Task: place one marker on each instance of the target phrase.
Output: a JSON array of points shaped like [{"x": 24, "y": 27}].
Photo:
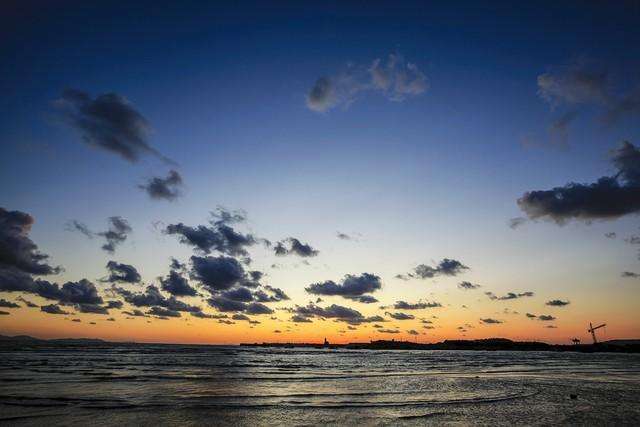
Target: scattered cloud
[
  {"x": 608, "y": 198},
  {"x": 293, "y": 246},
  {"x": 403, "y": 305},
  {"x": 446, "y": 267},
  {"x": 122, "y": 273},
  {"x": 168, "y": 188},
  {"x": 352, "y": 287},
  {"x": 394, "y": 78},
  {"x": 468, "y": 285},
  {"x": 8, "y": 304},
  {"x": 400, "y": 316},
  {"x": 557, "y": 303},
  {"x": 509, "y": 295},
  {"x": 490, "y": 321},
  {"x": 52, "y": 309},
  {"x": 109, "y": 122}
]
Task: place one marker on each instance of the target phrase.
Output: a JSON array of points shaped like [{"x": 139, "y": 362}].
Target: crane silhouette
[{"x": 592, "y": 330}]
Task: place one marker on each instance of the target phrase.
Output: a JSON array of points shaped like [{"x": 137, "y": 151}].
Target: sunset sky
[{"x": 206, "y": 174}]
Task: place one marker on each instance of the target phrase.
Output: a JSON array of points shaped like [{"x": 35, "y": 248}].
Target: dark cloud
[
  {"x": 202, "y": 315},
  {"x": 257, "y": 308},
  {"x": 364, "y": 299},
  {"x": 351, "y": 287},
  {"x": 163, "y": 312},
  {"x": 217, "y": 237},
  {"x": 343, "y": 236},
  {"x": 446, "y": 267},
  {"x": 490, "y": 321},
  {"x": 164, "y": 188},
  {"x": 557, "y": 303},
  {"x": 17, "y": 250},
  {"x": 117, "y": 233},
  {"x": 611, "y": 235},
  {"x": 92, "y": 308},
  {"x": 114, "y": 304},
  {"x": 293, "y": 246},
  {"x": 217, "y": 273},
  {"x": 400, "y": 316},
  {"x": 122, "y": 273},
  {"x": 630, "y": 274},
  {"x": 135, "y": 313},
  {"x": 8, "y": 304},
  {"x": 238, "y": 294},
  {"x": 226, "y": 305},
  {"x": 27, "y": 302},
  {"x": 4, "y": 313},
  {"x": 402, "y": 305},
  {"x": 108, "y": 122},
  {"x": 80, "y": 292},
  {"x": 240, "y": 317},
  {"x": 271, "y": 295},
  {"x": 297, "y": 318},
  {"x": 509, "y": 295},
  {"x": 176, "y": 284},
  {"x": 388, "y": 331},
  {"x": 413, "y": 332},
  {"x": 75, "y": 225},
  {"x": 53, "y": 309},
  {"x": 608, "y": 198},
  {"x": 468, "y": 285},
  {"x": 153, "y": 297},
  {"x": 546, "y": 318}
]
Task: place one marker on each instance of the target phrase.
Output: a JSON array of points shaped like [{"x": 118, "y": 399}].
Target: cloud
[
  {"x": 557, "y": 303},
  {"x": 297, "y": 318},
  {"x": 610, "y": 235},
  {"x": 630, "y": 274},
  {"x": 177, "y": 285},
  {"x": 509, "y": 295},
  {"x": 468, "y": 285},
  {"x": 122, "y": 273},
  {"x": 75, "y": 225},
  {"x": 402, "y": 305},
  {"x": 334, "y": 311},
  {"x": 573, "y": 85},
  {"x": 343, "y": 236},
  {"x": 531, "y": 315},
  {"x": 114, "y": 304},
  {"x": 516, "y": 222},
  {"x": 203, "y": 315},
  {"x": 388, "y": 331},
  {"x": 164, "y": 188},
  {"x": 216, "y": 273},
  {"x": 364, "y": 299},
  {"x": 400, "y": 316},
  {"x": 240, "y": 317},
  {"x": 608, "y": 198},
  {"x": 352, "y": 287},
  {"x": 135, "y": 313},
  {"x": 4, "y": 313},
  {"x": 52, "y": 309},
  {"x": 559, "y": 128},
  {"x": 92, "y": 308},
  {"x": 163, "y": 312},
  {"x": 116, "y": 234},
  {"x": 627, "y": 105},
  {"x": 293, "y": 246},
  {"x": 546, "y": 318},
  {"x": 413, "y": 332},
  {"x": 153, "y": 297},
  {"x": 27, "y": 302},
  {"x": 108, "y": 122},
  {"x": 446, "y": 267},
  {"x": 395, "y": 79},
  {"x": 217, "y": 237},
  {"x": 17, "y": 250},
  {"x": 8, "y": 304},
  {"x": 489, "y": 321}
]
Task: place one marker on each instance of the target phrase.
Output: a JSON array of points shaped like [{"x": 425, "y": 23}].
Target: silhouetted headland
[{"x": 503, "y": 344}]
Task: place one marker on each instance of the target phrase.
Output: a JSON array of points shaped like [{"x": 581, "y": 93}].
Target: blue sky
[{"x": 224, "y": 89}]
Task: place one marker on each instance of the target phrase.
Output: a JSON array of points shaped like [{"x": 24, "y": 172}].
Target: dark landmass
[
  {"x": 24, "y": 342},
  {"x": 495, "y": 344}
]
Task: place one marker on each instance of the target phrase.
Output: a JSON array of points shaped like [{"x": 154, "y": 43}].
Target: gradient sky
[{"x": 505, "y": 101}]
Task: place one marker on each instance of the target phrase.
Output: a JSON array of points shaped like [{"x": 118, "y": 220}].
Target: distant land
[{"x": 25, "y": 342}]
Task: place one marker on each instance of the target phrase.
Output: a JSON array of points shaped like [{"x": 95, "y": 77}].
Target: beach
[{"x": 217, "y": 385}]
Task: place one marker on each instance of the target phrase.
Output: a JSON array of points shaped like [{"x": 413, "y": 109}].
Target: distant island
[{"x": 24, "y": 342}]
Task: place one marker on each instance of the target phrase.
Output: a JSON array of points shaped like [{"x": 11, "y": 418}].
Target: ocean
[{"x": 211, "y": 385}]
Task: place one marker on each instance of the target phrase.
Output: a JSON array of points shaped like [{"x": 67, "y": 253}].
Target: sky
[{"x": 208, "y": 173}]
